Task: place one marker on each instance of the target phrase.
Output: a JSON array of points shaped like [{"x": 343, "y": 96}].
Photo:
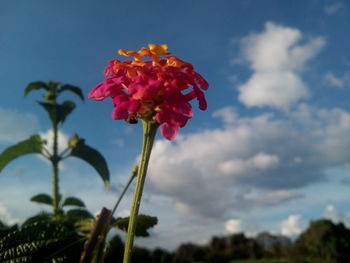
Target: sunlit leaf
[
  {"x": 92, "y": 157},
  {"x": 143, "y": 224},
  {"x": 77, "y": 91},
  {"x": 32, "y": 145},
  {"x": 47, "y": 241},
  {"x": 35, "y": 86},
  {"x": 42, "y": 199},
  {"x": 58, "y": 112},
  {"x": 73, "y": 201}
]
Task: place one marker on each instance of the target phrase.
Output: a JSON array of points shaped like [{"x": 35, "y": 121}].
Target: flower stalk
[{"x": 149, "y": 133}]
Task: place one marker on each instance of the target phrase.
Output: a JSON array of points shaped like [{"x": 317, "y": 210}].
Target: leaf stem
[
  {"x": 131, "y": 178},
  {"x": 149, "y": 133}
]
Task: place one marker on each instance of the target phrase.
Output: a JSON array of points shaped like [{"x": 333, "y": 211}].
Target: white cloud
[
  {"x": 227, "y": 114},
  {"x": 276, "y": 57},
  {"x": 250, "y": 162},
  {"x": 333, "y": 8},
  {"x": 292, "y": 226},
  {"x": 16, "y": 126},
  {"x": 255, "y": 164},
  {"x": 234, "y": 226},
  {"x": 5, "y": 216},
  {"x": 276, "y": 89},
  {"x": 62, "y": 140},
  {"x": 338, "y": 81},
  {"x": 336, "y": 216}
]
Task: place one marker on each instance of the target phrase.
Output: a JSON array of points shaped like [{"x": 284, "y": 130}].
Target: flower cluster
[{"x": 152, "y": 90}]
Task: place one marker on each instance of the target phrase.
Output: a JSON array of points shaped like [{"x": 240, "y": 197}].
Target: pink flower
[{"x": 153, "y": 90}]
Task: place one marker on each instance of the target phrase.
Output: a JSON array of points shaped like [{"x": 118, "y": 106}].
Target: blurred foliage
[{"x": 322, "y": 242}]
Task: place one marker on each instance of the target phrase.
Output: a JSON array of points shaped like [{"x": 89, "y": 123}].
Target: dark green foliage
[
  {"x": 35, "y": 86},
  {"x": 115, "y": 250},
  {"x": 161, "y": 256},
  {"x": 243, "y": 247},
  {"x": 41, "y": 242},
  {"x": 187, "y": 253},
  {"x": 75, "y": 90},
  {"x": 322, "y": 242},
  {"x": 42, "y": 199},
  {"x": 58, "y": 112},
  {"x": 91, "y": 156},
  {"x": 40, "y": 217},
  {"x": 78, "y": 214},
  {"x": 32, "y": 145},
  {"x": 5, "y": 229},
  {"x": 143, "y": 224},
  {"x": 141, "y": 255},
  {"x": 73, "y": 201}
]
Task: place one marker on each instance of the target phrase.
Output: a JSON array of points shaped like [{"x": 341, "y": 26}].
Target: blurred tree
[
  {"x": 273, "y": 246},
  {"x": 322, "y": 242},
  {"x": 242, "y": 247}
]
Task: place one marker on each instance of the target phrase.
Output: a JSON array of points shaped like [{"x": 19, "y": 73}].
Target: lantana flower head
[{"x": 152, "y": 89}]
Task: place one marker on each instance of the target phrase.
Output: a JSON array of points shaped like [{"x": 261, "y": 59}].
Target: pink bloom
[{"x": 153, "y": 90}]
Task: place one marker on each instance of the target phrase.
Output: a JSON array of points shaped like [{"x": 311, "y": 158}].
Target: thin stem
[
  {"x": 47, "y": 153},
  {"x": 131, "y": 178},
  {"x": 64, "y": 152},
  {"x": 149, "y": 133}
]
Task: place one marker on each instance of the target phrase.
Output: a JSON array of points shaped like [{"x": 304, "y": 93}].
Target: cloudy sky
[{"x": 272, "y": 152}]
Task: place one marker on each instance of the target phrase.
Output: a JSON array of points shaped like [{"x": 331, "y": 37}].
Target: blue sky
[{"x": 270, "y": 153}]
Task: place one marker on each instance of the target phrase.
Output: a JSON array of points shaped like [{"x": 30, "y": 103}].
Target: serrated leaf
[
  {"x": 73, "y": 201},
  {"x": 143, "y": 224},
  {"x": 32, "y": 145},
  {"x": 35, "y": 86},
  {"x": 92, "y": 157},
  {"x": 58, "y": 112},
  {"x": 42, "y": 199},
  {"x": 77, "y": 91},
  {"x": 40, "y": 217},
  {"x": 47, "y": 241}
]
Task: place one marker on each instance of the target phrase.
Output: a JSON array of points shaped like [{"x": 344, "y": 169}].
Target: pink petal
[
  {"x": 134, "y": 106},
  {"x": 120, "y": 112},
  {"x": 169, "y": 131}
]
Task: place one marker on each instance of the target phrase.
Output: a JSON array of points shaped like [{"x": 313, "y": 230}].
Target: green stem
[
  {"x": 55, "y": 160},
  {"x": 131, "y": 178},
  {"x": 149, "y": 133}
]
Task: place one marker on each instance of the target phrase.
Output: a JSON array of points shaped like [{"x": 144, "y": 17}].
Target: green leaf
[
  {"x": 58, "y": 112},
  {"x": 73, "y": 201},
  {"x": 75, "y": 215},
  {"x": 77, "y": 91},
  {"x": 32, "y": 145},
  {"x": 40, "y": 217},
  {"x": 92, "y": 157},
  {"x": 143, "y": 224},
  {"x": 35, "y": 86},
  {"x": 47, "y": 241},
  {"x": 42, "y": 199}
]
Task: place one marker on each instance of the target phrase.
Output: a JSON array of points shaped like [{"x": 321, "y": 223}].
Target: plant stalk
[
  {"x": 131, "y": 178},
  {"x": 55, "y": 183},
  {"x": 149, "y": 133}
]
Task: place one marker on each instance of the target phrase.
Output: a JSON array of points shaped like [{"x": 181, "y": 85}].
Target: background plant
[{"x": 58, "y": 113}]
